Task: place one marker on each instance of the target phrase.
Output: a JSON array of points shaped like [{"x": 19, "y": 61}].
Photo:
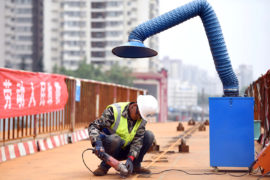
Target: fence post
[
  {"x": 35, "y": 126},
  {"x": 128, "y": 93},
  {"x": 114, "y": 94},
  {"x": 72, "y": 105},
  {"x": 4, "y": 130},
  {"x": 97, "y": 99}
]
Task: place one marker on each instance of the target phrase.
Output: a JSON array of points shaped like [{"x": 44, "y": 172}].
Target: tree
[
  {"x": 88, "y": 71},
  {"x": 116, "y": 74},
  {"x": 119, "y": 75}
]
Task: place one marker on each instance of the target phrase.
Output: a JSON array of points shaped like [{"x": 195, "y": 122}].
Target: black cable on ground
[
  {"x": 89, "y": 149},
  {"x": 192, "y": 174},
  {"x": 197, "y": 174}
]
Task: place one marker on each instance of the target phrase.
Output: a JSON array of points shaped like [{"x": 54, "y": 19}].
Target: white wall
[
  {"x": 47, "y": 36},
  {"x": 2, "y": 33}
]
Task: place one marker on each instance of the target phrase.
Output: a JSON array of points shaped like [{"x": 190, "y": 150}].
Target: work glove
[
  {"x": 99, "y": 149},
  {"x": 129, "y": 164}
]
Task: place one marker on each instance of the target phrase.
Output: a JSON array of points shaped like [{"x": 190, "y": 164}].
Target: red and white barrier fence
[
  {"x": 52, "y": 142},
  {"x": 79, "y": 135},
  {"x": 16, "y": 150},
  {"x": 30, "y": 147}
]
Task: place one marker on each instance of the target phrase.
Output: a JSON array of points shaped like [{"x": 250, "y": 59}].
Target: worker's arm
[
  {"x": 105, "y": 121},
  {"x": 137, "y": 142}
]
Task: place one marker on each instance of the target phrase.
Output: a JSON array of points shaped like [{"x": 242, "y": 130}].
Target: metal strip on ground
[{"x": 169, "y": 148}]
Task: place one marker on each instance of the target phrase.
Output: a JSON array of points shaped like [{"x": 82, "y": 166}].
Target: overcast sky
[{"x": 246, "y": 30}]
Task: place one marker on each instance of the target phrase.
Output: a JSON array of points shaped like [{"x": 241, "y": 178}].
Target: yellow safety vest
[{"x": 120, "y": 125}]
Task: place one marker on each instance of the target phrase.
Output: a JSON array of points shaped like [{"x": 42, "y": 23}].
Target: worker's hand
[
  {"x": 99, "y": 149},
  {"x": 129, "y": 164}
]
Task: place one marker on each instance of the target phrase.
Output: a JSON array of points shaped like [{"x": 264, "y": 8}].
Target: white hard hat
[{"x": 148, "y": 106}]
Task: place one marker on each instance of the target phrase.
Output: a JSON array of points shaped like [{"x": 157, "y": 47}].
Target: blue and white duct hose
[{"x": 213, "y": 31}]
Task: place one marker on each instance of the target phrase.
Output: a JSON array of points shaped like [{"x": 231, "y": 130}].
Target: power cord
[
  {"x": 193, "y": 174},
  {"x": 89, "y": 149},
  {"x": 199, "y": 174},
  {"x": 180, "y": 170}
]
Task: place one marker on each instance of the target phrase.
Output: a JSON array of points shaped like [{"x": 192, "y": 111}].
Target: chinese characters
[{"x": 24, "y": 92}]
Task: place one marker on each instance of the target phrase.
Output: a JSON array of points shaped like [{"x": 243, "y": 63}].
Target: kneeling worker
[{"x": 120, "y": 132}]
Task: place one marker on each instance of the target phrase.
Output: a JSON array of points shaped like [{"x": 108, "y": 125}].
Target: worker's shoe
[
  {"x": 100, "y": 171},
  {"x": 141, "y": 170}
]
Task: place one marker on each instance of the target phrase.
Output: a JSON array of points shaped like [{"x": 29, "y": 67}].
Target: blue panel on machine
[{"x": 231, "y": 131}]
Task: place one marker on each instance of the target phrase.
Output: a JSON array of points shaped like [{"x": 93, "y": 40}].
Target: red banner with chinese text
[{"x": 24, "y": 93}]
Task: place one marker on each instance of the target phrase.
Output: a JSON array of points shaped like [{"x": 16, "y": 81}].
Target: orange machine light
[{"x": 263, "y": 160}]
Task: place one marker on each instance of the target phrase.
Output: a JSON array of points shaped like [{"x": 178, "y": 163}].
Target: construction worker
[{"x": 120, "y": 132}]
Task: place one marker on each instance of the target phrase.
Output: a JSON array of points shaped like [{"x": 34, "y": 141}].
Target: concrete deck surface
[{"x": 66, "y": 162}]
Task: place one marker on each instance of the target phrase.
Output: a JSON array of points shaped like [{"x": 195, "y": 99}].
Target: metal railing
[
  {"x": 260, "y": 90},
  {"x": 94, "y": 98}
]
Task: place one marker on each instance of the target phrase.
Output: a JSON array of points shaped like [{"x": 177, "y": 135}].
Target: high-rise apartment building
[
  {"x": 43, "y": 34},
  {"x": 78, "y": 30},
  {"x": 174, "y": 67},
  {"x": 67, "y": 33},
  {"x": 181, "y": 94},
  {"x": 2, "y": 33},
  {"x": 111, "y": 22},
  {"x": 177, "y": 70},
  {"x": 37, "y": 40},
  {"x": 21, "y": 33}
]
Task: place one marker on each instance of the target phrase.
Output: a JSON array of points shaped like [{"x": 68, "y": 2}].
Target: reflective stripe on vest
[{"x": 120, "y": 125}]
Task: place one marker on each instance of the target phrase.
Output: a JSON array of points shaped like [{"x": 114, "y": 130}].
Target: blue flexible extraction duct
[{"x": 135, "y": 48}]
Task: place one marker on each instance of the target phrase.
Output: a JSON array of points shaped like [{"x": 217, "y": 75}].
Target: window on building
[
  {"x": 24, "y": 56},
  {"x": 73, "y": 4},
  {"x": 73, "y": 33},
  {"x": 23, "y": 11},
  {"x": 23, "y": 29},
  {"x": 73, "y": 53},
  {"x": 98, "y": 44},
  {"x": 73, "y": 43},
  {"x": 97, "y": 54},
  {"x": 114, "y": 33},
  {"x": 98, "y": 5},
  {"x": 113, "y": 13},
  {"x": 74, "y": 24},
  {"x": 98, "y": 15},
  {"x": 98, "y": 34},
  {"x": 23, "y": 47},
  {"x": 74, "y": 14},
  {"x": 114, "y": 3},
  {"x": 98, "y": 24},
  {"x": 24, "y": 38},
  {"x": 23, "y": 20},
  {"x": 22, "y": 1},
  {"x": 113, "y": 23},
  {"x": 113, "y": 43}
]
